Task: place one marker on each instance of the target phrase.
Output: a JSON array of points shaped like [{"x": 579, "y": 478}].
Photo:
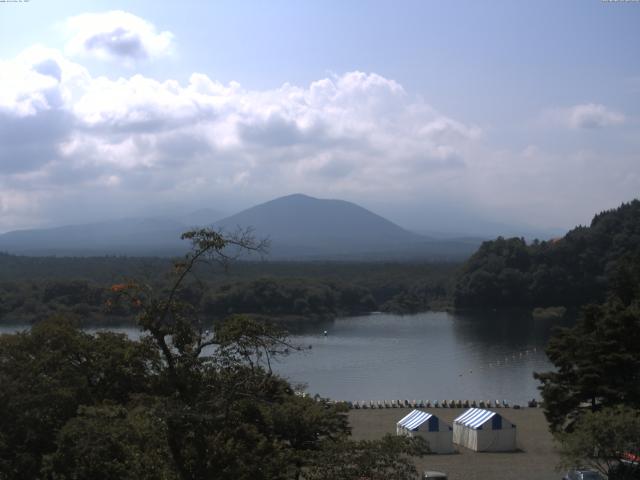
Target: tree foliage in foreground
[
  {"x": 181, "y": 403},
  {"x": 47, "y": 373},
  {"x": 598, "y": 360},
  {"x": 386, "y": 459},
  {"x": 600, "y": 439},
  {"x": 592, "y": 399}
]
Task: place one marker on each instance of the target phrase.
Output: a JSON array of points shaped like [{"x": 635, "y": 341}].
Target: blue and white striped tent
[
  {"x": 484, "y": 431},
  {"x": 438, "y": 434}
]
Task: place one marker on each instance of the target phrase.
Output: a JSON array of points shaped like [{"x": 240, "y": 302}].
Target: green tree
[
  {"x": 226, "y": 414},
  {"x": 184, "y": 402},
  {"x": 598, "y": 360},
  {"x": 571, "y": 271},
  {"x": 601, "y": 439},
  {"x": 110, "y": 442},
  {"x": 47, "y": 373},
  {"x": 387, "y": 459}
]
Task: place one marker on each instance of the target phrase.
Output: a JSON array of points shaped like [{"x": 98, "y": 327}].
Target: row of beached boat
[{"x": 372, "y": 404}]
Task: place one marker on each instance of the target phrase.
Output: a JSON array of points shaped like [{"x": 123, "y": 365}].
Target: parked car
[
  {"x": 583, "y": 474},
  {"x": 434, "y": 475},
  {"x": 629, "y": 458}
]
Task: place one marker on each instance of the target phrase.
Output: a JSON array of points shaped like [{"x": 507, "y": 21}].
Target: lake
[{"x": 427, "y": 356}]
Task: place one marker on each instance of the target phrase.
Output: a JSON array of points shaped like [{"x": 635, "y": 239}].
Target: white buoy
[{"x": 325, "y": 333}]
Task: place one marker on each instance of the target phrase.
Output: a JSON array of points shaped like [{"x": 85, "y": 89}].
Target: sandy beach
[{"x": 535, "y": 459}]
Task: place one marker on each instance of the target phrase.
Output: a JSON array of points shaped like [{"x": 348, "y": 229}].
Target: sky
[{"x": 442, "y": 116}]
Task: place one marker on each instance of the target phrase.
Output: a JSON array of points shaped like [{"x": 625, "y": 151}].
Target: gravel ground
[{"x": 535, "y": 459}]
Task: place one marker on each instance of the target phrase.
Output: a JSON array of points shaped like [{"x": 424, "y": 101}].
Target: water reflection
[{"x": 510, "y": 328}]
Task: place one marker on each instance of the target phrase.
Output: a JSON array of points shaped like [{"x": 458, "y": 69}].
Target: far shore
[{"x": 535, "y": 459}]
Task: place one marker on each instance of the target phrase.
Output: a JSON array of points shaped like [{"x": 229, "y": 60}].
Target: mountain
[
  {"x": 299, "y": 226},
  {"x": 300, "y": 218},
  {"x": 131, "y": 236},
  {"x": 128, "y": 236}
]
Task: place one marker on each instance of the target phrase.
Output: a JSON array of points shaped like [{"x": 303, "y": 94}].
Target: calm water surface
[{"x": 428, "y": 356}]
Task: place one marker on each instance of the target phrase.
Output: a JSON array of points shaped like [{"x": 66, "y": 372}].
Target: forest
[
  {"x": 570, "y": 271},
  {"x": 34, "y": 288}
]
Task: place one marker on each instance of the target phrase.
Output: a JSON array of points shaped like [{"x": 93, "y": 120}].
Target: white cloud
[
  {"x": 591, "y": 115},
  {"x": 355, "y": 132},
  {"x": 68, "y": 139},
  {"x": 330, "y": 127},
  {"x": 541, "y": 186},
  {"x": 116, "y": 35},
  {"x": 36, "y": 91},
  {"x": 39, "y": 79}
]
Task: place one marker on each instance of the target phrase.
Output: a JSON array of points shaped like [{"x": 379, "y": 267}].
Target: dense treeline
[
  {"x": 112, "y": 269},
  {"x": 30, "y": 302},
  {"x": 592, "y": 396},
  {"x": 282, "y": 290},
  {"x": 299, "y": 297},
  {"x": 570, "y": 271},
  {"x": 597, "y": 360},
  {"x": 328, "y": 298},
  {"x": 102, "y": 270}
]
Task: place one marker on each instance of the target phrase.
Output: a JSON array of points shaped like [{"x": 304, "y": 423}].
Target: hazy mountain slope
[
  {"x": 300, "y": 226},
  {"x": 201, "y": 217},
  {"x": 303, "y": 223},
  {"x": 127, "y": 236}
]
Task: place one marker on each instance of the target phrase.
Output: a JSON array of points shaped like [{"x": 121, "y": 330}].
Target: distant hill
[
  {"x": 302, "y": 221},
  {"x": 572, "y": 270},
  {"x": 299, "y": 227},
  {"x": 130, "y": 236}
]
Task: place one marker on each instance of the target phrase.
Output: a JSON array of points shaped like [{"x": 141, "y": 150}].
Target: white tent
[
  {"x": 437, "y": 434},
  {"x": 484, "y": 431}
]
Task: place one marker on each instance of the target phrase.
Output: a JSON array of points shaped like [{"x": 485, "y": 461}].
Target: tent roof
[
  {"x": 414, "y": 419},
  {"x": 475, "y": 417}
]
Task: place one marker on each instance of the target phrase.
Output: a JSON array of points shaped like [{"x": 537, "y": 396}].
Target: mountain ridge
[
  {"x": 300, "y": 217},
  {"x": 299, "y": 227}
]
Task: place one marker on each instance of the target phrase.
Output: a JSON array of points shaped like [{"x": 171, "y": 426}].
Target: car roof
[{"x": 592, "y": 473}]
